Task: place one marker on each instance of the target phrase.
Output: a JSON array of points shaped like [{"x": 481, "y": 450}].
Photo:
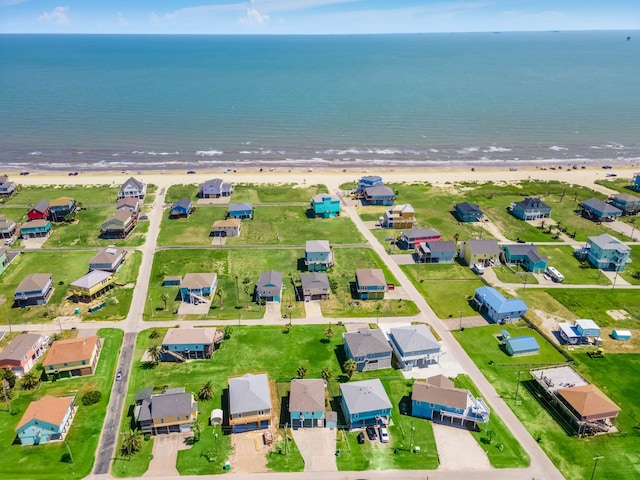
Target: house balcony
[{"x": 244, "y": 419}]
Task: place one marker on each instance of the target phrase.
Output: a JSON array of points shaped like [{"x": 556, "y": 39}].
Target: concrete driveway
[
  {"x": 451, "y": 441},
  {"x": 312, "y": 309},
  {"x": 318, "y": 448},
  {"x": 165, "y": 454}
]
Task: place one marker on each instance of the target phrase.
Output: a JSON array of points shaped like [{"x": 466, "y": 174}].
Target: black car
[
  {"x": 371, "y": 433},
  {"x": 361, "y": 438}
]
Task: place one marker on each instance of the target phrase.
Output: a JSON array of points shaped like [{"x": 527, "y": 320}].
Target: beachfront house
[
  {"x": 35, "y": 229},
  {"x": 411, "y": 239},
  {"x": 315, "y": 286},
  {"x": 369, "y": 348},
  {"x": 368, "y": 181},
  {"x": 269, "y": 287},
  {"x": 180, "y": 344},
  {"x": 119, "y": 225},
  {"x": 530, "y": 209},
  {"x": 132, "y": 188},
  {"x": 414, "y": 346},
  {"x": 34, "y": 289},
  {"x": 519, "y": 346},
  {"x": 6, "y": 187},
  {"x": 635, "y": 183},
  {"x": 629, "y": 204},
  {"x": 8, "y": 227},
  {"x": 380, "y": 195},
  {"x": 496, "y": 308},
  {"x": 92, "y": 285},
  {"x": 23, "y": 352},
  {"x": 318, "y": 256},
  {"x": 468, "y": 212},
  {"x": 437, "y": 399},
  {"x": 229, "y": 227},
  {"x": 370, "y": 283},
  {"x": 365, "y": 403},
  {"x": 215, "y": 188},
  {"x": 46, "y": 420},
  {"x": 77, "y": 356},
  {"x": 579, "y": 332},
  {"x": 181, "y": 208},
  {"x": 242, "y": 211},
  {"x": 130, "y": 204},
  {"x": 61, "y": 207},
  {"x": 108, "y": 259},
  {"x": 524, "y": 255},
  {"x": 483, "y": 252},
  {"x": 325, "y": 205},
  {"x": 306, "y": 403},
  {"x": 599, "y": 211},
  {"x": 172, "y": 411},
  {"x": 399, "y": 216},
  {"x": 605, "y": 252},
  {"x": 436, "y": 252},
  {"x": 198, "y": 287},
  {"x": 249, "y": 403},
  {"x": 40, "y": 211}
]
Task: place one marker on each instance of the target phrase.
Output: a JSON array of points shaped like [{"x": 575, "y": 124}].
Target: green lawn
[
  {"x": 44, "y": 461},
  {"x": 85, "y": 194},
  {"x": 275, "y": 193},
  {"x": 617, "y": 184},
  {"x": 176, "y": 192},
  {"x": 285, "y": 456},
  {"x": 194, "y": 230},
  {"x": 506, "y": 275},
  {"x": 562, "y": 258},
  {"x": 632, "y": 273}
]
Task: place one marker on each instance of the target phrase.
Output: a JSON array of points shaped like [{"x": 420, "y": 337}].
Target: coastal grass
[
  {"x": 562, "y": 258},
  {"x": 44, "y": 461},
  {"x": 85, "y": 194},
  {"x": 285, "y": 455},
  {"x": 617, "y": 184},
  {"x": 192, "y": 231},
  {"x": 517, "y": 275},
  {"x": 632, "y": 273},
  {"x": 177, "y": 192},
  {"x": 275, "y": 193}
]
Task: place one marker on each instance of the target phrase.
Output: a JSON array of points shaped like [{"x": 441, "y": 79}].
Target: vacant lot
[
  {"x": 562, "y": 258},
  {"x": 85, "y": 194}
]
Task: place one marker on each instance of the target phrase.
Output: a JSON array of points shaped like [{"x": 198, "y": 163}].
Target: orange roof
[
  {"x": 74, "y": 350},
  {"x": 48, "y": 409},
  {"x": 588, "y": 400}
]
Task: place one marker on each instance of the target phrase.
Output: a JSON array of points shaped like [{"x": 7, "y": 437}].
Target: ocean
[{"x": 87, "y": 102}]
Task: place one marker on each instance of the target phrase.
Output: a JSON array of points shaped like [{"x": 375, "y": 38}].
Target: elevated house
[
  {"x": 483, "y": 252},
  {"x": 23, "y": 352},
  {"x": 35, "y": 229},
  {"x": 436, "y": 252},
  {"x": 318, "y": 256},
  {"x": 315, "y": 286},
  {"x": 599, "y": 211},
  {"x": 8, "y": 227},
  {"x": 587, "y": 403},
  {"x": 368, "y": 181},
  {"x": 108, "y": 259},
  {"x": 132, "y": 188},
  {"x": 306, "y": 403},
  {"x": 46, "y": 420},
  {"x": 198, "y": 287},
  {"x": 325, "y": 205},
  {"x": 380, "y": 195},
  {"x": 269, "y": 286},
  {"x": 437, "y": 399},
  {"x": 635, "y": 183},
  {"x": 530, "y": 209},
  {"x": 468, "y": 212},
  {"x": 605, "y": 252},
  {"x": 34, "y": 289},
  {"x": 130, "y": 204},
  {"x": 365, "y": 403},
  {"x": 249, "y": 402},
  {"x": 370, "y": 283},
  {"x": 181, "y": 208},
  {"x": 77, "y": 356},
  {"x": 629, "y": 204},
  {"x": 497, "y": 308},
  {"x": 40, "y": 211},
  {"x": 411, "y": 239},
  {"x": 180, "y": 344},
  {"x": 229, "y": 227},
  {"x": 369, "y": 348},
  {"x": 119, "y": 225},
  {"x": 414, "y": 346},
  {"x": 6, "y": 187},
  {"x": 519, "y": 346},
  {"x": 215, "y": 188},
  {"x": 171, "y": 411},
  {"x": 91, "y": 285},
  {"x": 61, "y": 207},
  {"x": 242, "y": 211},
  {"x": 400, "y": 216},
  {"x": 524, "y": 255},
  {"x": 579, "y": 332}
]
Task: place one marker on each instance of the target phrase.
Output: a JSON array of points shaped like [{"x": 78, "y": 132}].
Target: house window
[
  {"x": 64, "y": 364},
  {"x": 177, "y": 419},
  {"x": 84, "y": 362},
  {"x": 417, "y": 402},
  {"x": 162, "y": 420},
  {"x": 431, "y": 405}
]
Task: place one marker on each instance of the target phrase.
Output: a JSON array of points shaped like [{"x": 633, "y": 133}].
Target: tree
[
  {"x": 132, "y": 442},
  {"x": 219, "y": 293},
  {"x": 155, "y": 352},
  {"x": 349, "y": 367},
  {"x": 54, "y": 337},
  {"x": 196, "y": 427},
  {"x": 6, "y": 393},
  {"x": 248, "y": 292},
  {"x": 329, "y": 332},
  {"x": 164, "y": 297},
  {"x": 8, "y": 375},
  {"x": 326, "y": 374},
  {"x": 30, "y": 380},
  {"x": 154, "y": 334},
  {"x": 302, "y": 372},
  {"x": 227, "y": 332},
  {"x": 206, "y": 391}
]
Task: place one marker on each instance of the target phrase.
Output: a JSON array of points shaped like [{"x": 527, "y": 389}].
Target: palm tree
[
  {"x": 132, "y": 442},
  {"x": 155, "y": 352},
  {"x": 29, "y": 381},
  {"x": 206, "y": 391},
  {"x": 55, "y": 337},
  {"x": 164, "y": 297},
  {"x": 326, "y": 374},
  {"x": 154, "y": 333},
  {"x": 349, "y": 367},
  {"x": 196, "y": 427},
  {"x": 329, "y": 332},
  {"x": 456, "y": 237},
  {"x": 302, "y": 371}
]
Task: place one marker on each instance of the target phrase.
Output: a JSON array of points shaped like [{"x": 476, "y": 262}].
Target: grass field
[
  {"x": 275, "y": 193},
  {"x": 617, "y": 184},
  {"x": 194, "y": 230},
  {"x": 176, "y": 192},
  {"x": 634, "y": 268},
  {"x": 562, "y": 258},
  {"x": 44, "y": 461},
  {"x": 506, "y": 275},
  {"x": 85, "y": 194}
]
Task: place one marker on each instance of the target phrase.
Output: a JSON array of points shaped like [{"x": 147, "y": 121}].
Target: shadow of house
[
  {"x": 284, "y": 410},
  {"x": 310, "y": 213},
  {"x": 341, "y": 356},
  {"x": 224, "y": 402},
  {"x": 550, "y": 407}
]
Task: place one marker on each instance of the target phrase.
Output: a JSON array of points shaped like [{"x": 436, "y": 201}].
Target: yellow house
[
  {"x": 173, "y": 410},
  {"x": 483, "y": 252},
  {"x": 92, "y": 284},
  {"x": 78, "y": 356},
  {"x": 400, "y": 216}
]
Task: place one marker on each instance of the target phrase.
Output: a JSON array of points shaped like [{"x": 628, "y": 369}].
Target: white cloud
[
  {"x": 57, "y": 15},
  {"x": 121, "y": 20},
  {"x": 253, "y": 17}
]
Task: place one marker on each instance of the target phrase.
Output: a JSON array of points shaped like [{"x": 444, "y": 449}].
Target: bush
[
  {"x": 66, "y": 458},
  {"x": 227, "y": 332},
  {"x": 89, "y": 398},
  {"x": 147, "y": 437}
]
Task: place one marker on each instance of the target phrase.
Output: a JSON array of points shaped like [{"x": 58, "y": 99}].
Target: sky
[{"x": 313, "y": 16}]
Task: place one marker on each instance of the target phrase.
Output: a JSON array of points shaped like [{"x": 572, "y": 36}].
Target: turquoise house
[
  {"x": 497, "y": 308},
  {"x": 325, "y": 205},
  {"x": 35, "y": 228},
  {"x": 242, "y": 211},
  {"x": 526, "y": 256},
  {"x": 306, "y": 403},
  {"x": 606, "y": 252},
  {"x": 318, "y": 256},
  {"x": 180, "y": 344},
  {"x": 516, "y": 346},
  {"x": 46, "y": 420},
  {"x": 468, "y": 212},
  {"x": 365, "y": 403}
]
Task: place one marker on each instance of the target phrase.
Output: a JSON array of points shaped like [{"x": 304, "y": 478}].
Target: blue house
[
  {"x": 497, "y": 308},
  {"x": 46, "y": 420},
  {"x": 61, "y": 207},
  {"x": 269, "y": 286},
  {"x": 369, "y": 348},
  {"x": 182, "y": 344},
  {"x": 325, "y": 205},
  {"x": 517, "y": 346},
  {"x": 436, "y": 252},
  {"x": 379, "y": 195},
  {"x": 605, "y": 252},
  {"x": 318, "y": 256},
  {"x": 468, "y": 212},
  {"x": 414, "y": 346},
  {"x": 437, "y": 399},
  {"x": 368, "y": 181},
  {"x": 635, "y": 183},
  {"x": 181, "y": 208},
  {"x": 365, "y": 403},
  {"x": 526, "y": 256},
  {"x": 578, "y": 332},
  {"x": 198, "y": 287},
  {"x": 34, "y": 289},
  {"x": 35, "y": 228},
  {"x": 370, "y": 283},
  {"x": 243, "y": 211},
  {"x": 530, "y": 209},
  {"x": 306, "y": 403},
  {"x": 629, "y": 204},
  {"x": 599, "y": 211}
]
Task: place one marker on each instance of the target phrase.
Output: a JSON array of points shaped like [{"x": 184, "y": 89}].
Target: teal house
[
  {"x": 468, "y": 212},
  {"x": 198, "y": 287},
  {"x": 325, "y": 205},
  {"x": 365, "y": 403},
  {"x": 242, "y": 211},
  {"x": 35, "y": 228},
  {"x": 46, "y": 420},
  {"x": 318, "y": 256},
  {"x": 606, "y": 252},
  {"x": 526, "y": 256},
  {"x": 516, "y": 346},
  {"x": 306, "y": 403}
]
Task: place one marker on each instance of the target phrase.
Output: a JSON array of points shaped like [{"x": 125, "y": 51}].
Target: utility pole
[
  {"x": 71, "y": 456},
  {"x": 595, "y": 464},
  {"x": 237, "y": 291},
  {"x": 411, "y": 429},
  {"x": 460, "y": 320},
  {"x": 518, "y": 386}
]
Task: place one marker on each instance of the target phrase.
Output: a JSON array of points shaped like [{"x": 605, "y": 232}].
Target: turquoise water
[{"x": 92, "y": 101}]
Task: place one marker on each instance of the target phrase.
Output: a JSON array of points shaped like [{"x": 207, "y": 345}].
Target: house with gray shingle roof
[
  {"x": 269, "y": 286},
  {"x": 180, "y": 344},
  {"x": 315, "y": 286},
  {"x": 181, "y": 208},
  {"x": 629, "y": 204},
  {"x": 8, "y": 227},
  {"x": 108, "y": 259},
  {"x": 306, "y": 403},
  {"x": 530, "y": 209},
  {"x": 414, "y": 346},
  {"x": 605, "y": 252},
  {"x": 369, "y": 348},
  {"x": 198, "y": 287},
  {"x": 370, "y": 283},
  {"x": 484, "y": 252},
  {"x": 365, "y": 403},
  {"x": 599, "y": 211},
  {"x": 215, "y": 188},
  {"x": 132, "y": 188},
  {"x": 34, "y": 289},
  {"x": 318, "y": 256},
  {"x": 174, "y": 410},
  {"x": 249, "y": 402}
]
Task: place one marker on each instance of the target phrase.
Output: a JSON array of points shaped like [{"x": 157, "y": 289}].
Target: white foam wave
[
  {"x": 34, "y": 154},
  {"x": 556, "y": 148},
  {"x": 163, "y": 154},
  {"x": 209, "y": 153},
  {"x": 496, "y": 149},
  {"x": 468, "y": 150}
]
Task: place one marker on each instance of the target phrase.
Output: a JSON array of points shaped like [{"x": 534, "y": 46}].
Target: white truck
[{"x": 555, "y": 275}]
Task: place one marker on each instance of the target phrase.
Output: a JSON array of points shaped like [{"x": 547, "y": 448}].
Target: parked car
[
  {"x": 191, "y": 171},
  {"x": 371, "y": 433},
  {"x": 143, "y": 217},
  {"x": 607, "y": 167},
  {"x": 119, "y": 376},
  {"x": 384, "y": 434},
  {"x": 361, "y": 438},
  {"x": 477, "y": 268},
  {"x": 9, "y": 241},
  {"x": 24, "y": 172},
  {"x": 611, "y": 175}
]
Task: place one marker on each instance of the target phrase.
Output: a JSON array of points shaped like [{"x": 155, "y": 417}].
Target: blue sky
[{"x": 313, "y": 16}]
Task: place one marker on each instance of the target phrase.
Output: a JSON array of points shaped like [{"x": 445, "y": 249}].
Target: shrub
[
  {"x": 147, "y": 437},
  {"x": 91, "y": 397},
  {"x": 66, "y": 458}
]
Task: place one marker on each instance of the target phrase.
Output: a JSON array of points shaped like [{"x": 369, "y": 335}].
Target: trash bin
[
  {"x": 227, "y": 465},
  {"x": 77, "y": 311}
]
